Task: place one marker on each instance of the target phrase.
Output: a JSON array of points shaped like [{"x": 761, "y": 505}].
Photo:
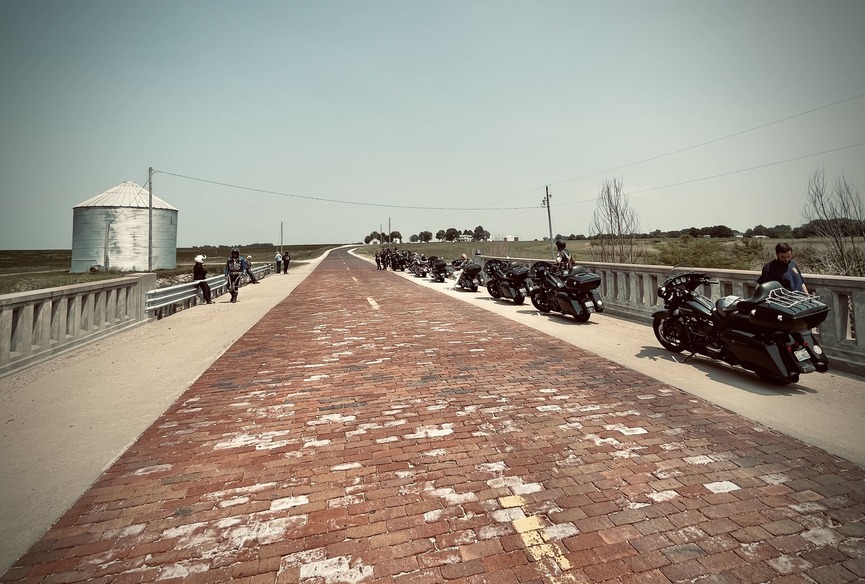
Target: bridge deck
[{"x": 369, "y": 430}]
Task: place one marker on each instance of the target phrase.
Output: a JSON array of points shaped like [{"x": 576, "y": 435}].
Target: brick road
[{"x": 369, "y": 430}]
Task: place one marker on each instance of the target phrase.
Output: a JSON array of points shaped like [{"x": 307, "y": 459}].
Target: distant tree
[
  {"x": 425, "y": 236},
  {"x": 721, "y": 231},
  {"x": 480, "y": 234},
  {"x": 780, "y": 232},
  {"x": 615, "y": 226},
  {"x": 837, "y": 217},
  {"x": 441, "y": 234},
  {"x": 395, "y": 235},
  {"x": 452, "y": 234},
  {"x": 414, "y": 239}
]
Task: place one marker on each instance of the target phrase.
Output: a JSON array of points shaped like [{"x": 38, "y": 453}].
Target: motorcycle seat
[
  {"x": 760, "y": 295},
  {"x": 727, "y": 305}
]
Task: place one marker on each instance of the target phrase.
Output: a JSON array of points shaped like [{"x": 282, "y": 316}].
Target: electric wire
[
  {"x": 525, "y": 208},
  {"x": 713, "y": 141},
  {"x": 741, "y": 170}
]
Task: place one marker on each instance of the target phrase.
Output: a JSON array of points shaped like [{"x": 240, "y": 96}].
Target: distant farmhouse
[{"x": 510, "y": 238}]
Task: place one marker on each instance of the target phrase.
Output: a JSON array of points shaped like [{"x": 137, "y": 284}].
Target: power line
[
  {"x": 741, "y": 170},
  {"x": 340, "y": 201},
  {"x": 431, "y": 208},
  {"x": 706, "y": 143}
]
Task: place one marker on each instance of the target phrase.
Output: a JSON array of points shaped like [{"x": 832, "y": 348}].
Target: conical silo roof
[{"x": 127, "y": 194}]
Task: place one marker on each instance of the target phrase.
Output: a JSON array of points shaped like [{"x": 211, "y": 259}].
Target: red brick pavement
[{"x": 369, "y": 430}]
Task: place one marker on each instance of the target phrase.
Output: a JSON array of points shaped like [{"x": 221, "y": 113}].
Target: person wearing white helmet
[
  {"x": 234, "y": 270},
  {"x": 199, "y": 274},
  {"x": 249, "y": 270}
]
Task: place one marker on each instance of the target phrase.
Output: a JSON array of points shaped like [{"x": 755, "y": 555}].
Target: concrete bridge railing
[
  {"x": 39, "y": 324},
  {"x": 631, "y": 292}
]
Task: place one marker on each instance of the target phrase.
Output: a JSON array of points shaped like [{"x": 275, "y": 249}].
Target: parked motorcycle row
[{"x": 769, "y": 333}]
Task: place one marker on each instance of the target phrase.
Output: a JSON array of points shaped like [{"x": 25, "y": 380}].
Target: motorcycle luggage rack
[{"x": 789, "y": 298}]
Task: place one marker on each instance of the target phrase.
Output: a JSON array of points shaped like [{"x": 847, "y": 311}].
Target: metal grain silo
[{"x": 111, "y": 230}]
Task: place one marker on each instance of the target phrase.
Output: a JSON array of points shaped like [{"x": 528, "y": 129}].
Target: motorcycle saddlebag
[
  {"x": 471, "y": 269},
  {"x": 583, "y": 282},
  {"x": 751, "y": 351},
  {"x": 440, "y": 265},
  {"x": 517, "y": 273}
]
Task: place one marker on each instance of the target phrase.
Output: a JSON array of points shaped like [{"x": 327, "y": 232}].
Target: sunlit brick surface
[{"x": 370, "y": 430}]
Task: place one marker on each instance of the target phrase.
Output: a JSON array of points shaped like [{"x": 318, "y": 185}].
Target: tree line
[{"x": 449, "y": 234}]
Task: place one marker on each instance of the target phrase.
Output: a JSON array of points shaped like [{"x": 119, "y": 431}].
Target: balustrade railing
[
  {"x": 631, "y": 292},
  {"x": 41, "y": 323}
]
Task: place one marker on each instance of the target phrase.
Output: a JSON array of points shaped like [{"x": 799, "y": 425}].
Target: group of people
[
  {"x": 235, "y": 268},
  {"x": 282, "y": 260},
  {"x": 383, "y": 258}
]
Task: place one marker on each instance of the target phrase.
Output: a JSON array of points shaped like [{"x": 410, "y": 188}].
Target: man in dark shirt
[{"x": 784, "y": 270}]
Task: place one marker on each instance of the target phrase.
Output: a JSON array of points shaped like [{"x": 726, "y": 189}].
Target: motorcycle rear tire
[
  {"x": 474, "y": 287},
  {"x": 670, "y": 338},
  {"x": 519, "y": 299},
  {"x": 582, "y": 316}
]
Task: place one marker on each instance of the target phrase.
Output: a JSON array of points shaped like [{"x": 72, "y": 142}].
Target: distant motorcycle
[
  {"x": 508, "y": 280},
  {"x": 438, "y": 269},
  {"x": 470, "y": 275},
  {"x": 419, "y": 266},
  {"x": 768, "y": 333},
  {"x": 571, "y": 291}
]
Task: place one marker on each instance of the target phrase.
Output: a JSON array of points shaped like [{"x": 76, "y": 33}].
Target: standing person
[
  {"x": 199, "y": 274},
  {"x": 278, "y": 260},
  {"x": 378, "y": 260},
  {"x": 249, "y": 273},
  {"x": 234, "y": 269},
  {"x": 286, "y": 259},
  {"x": 563, "y": 256},
  {"x": 783, "y": 270}
]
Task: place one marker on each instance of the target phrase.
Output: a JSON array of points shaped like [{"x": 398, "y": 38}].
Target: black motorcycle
[
  {"x": 470, "y": 276},
  {"x": 571, "y": 291},
  {"x": 438, "y": 269},
  {"x": 769, "y": 333},
  {"x": 419, "y": 266},
  {"x": 508, "y": 280}
]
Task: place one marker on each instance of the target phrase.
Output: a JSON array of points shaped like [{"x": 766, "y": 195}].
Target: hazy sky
[{"x": 466, "y": 107}]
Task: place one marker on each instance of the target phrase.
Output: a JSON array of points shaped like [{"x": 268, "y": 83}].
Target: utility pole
[
  {"x": 150, "y": 219},
  {"x": 546, "y": 203},
  {"x": 280, "y": 238}
]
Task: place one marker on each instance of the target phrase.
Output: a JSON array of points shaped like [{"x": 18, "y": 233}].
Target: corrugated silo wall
[{"x": 127, "y": 238}]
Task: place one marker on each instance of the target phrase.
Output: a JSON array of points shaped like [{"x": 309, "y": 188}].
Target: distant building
[
  {"x": 760, "y": 236},
  {"x": 465, "y": 238},
  {"x": 510, "y": 238},
  {"x": 112, "y": 231}
]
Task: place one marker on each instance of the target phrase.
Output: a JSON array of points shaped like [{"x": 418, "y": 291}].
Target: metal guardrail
[{"x": 163, "y": 302}]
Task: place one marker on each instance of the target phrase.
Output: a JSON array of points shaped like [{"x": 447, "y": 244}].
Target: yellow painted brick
[
  {"x": 531, "y": 538},
  {"x": 527, "y": 524},
  {"x": 512, "y": 501}
]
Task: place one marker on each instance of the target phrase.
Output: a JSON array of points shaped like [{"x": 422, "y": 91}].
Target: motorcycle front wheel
[
  {"x": 539, "y": 299},
  {"x": 493, "y": 289},
  {"x": 670, "y": 332}
]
